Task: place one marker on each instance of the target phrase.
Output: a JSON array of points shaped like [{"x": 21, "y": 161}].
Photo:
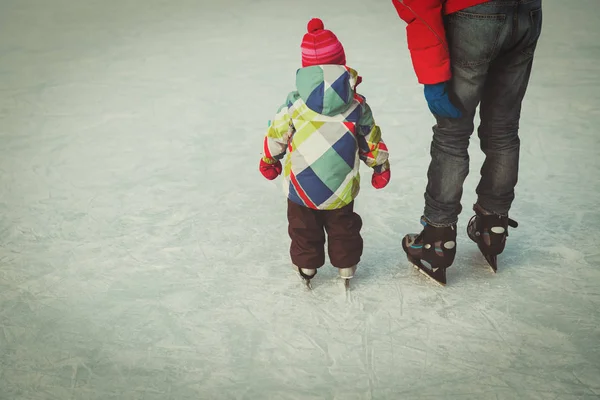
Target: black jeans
[{"x": 491, "y": 51}]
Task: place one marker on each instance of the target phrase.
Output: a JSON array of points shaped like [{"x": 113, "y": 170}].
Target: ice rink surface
[{"x": 144, "y": 257}]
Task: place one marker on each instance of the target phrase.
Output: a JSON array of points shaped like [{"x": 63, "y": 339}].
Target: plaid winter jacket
[{"x": 324, "y": 129}]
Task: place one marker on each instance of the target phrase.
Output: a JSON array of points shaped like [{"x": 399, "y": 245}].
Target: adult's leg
[
  {"x": 500, "y": 111},
  {"x": 475, "y": 36}
]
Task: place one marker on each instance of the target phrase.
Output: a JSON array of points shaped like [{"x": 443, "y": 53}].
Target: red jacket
[{"x": 427, "y": 37}]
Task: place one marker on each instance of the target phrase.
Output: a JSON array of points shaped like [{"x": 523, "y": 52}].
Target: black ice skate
[
  {"x": 432, "y": 250},
  {"x": 489, "y": 231}
]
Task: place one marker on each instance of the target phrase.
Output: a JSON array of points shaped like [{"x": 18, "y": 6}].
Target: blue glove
[{"x": 439, "y": 103}]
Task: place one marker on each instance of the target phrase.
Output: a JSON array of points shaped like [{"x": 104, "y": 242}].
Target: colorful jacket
[
  {"x": 324, "y": 130},
  {"x": 426, "y": 35}
]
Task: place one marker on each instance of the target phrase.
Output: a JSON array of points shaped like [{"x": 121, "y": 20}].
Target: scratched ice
[{"x": 142, "y": 255}]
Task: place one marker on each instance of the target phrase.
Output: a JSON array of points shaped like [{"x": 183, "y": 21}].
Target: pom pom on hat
[
  {"x": 314, "y": 25},
  {"x": 321, "y": 46}
]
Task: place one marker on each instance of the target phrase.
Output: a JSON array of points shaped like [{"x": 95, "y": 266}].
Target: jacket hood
[{"x": 327, "y": 89}]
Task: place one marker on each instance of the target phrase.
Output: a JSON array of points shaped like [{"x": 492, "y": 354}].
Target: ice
[{"x": 143, "y": 256}]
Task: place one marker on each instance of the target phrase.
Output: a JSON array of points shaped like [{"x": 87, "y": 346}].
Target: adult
[{"x": 469, "y": 53}]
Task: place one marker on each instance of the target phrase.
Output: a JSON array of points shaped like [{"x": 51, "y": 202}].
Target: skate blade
[
  {"x": 306, "y": 282},
  {"x": 442, "y": 284},
  {"x": 439, "y": 278},
  {"x": 347, "y": 284},
  {"x": 492, "y": 262}
]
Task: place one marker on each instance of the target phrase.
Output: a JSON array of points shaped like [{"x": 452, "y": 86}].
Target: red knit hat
[{"x": 320, "y": 46}]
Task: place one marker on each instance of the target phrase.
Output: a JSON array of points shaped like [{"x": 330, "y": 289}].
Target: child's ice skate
[
  {"x": 489, "y": 231},
  {"x": 432, "y": 250},
  {"x": 346, "y": 274},
  {"x": 306, "y": 274}
]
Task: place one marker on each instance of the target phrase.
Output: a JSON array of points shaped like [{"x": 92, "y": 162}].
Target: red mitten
[
  {"x": 379, "y": 181},
  {"x": 270, "y": 171}
]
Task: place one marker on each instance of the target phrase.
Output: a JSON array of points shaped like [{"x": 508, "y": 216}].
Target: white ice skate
[
  {"x": 346, "y": 274},
  {"x": 306, "y": 274}
]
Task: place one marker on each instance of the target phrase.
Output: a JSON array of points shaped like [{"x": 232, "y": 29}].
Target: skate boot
[
  {"x": 306, "y": 274},
  {"x": 432, "y": 250},
  {"x": 346, "y": 274},
  {"x": 489, "y": 231}
]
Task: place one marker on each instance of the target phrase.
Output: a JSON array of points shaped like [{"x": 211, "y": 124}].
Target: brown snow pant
[{"x": 306, "y": 229}]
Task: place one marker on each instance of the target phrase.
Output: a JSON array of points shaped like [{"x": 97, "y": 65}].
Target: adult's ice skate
[
  {"x": 432, "y": 251},
  {"x": 489, "y": 231}
]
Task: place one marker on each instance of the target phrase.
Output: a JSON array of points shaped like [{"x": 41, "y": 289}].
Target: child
[{"x": 324, "y": 129}]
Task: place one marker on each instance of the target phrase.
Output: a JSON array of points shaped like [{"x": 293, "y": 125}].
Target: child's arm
[
  {"x": 372, "y": 149},
  {"x": 275, "y": 143}
]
